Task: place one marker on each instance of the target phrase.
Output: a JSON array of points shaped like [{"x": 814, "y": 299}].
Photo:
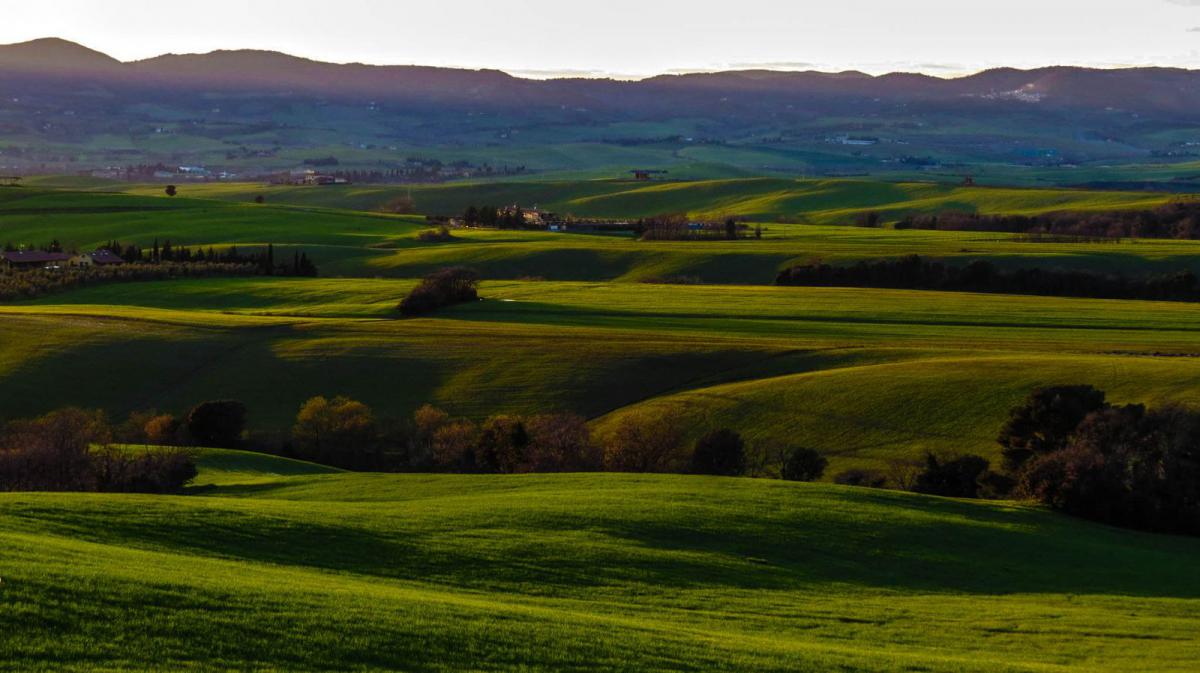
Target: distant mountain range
[{"x": 1077, "y": 113}]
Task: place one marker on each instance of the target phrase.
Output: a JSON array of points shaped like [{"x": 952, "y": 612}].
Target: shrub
[
  {"x": 69, "y": 450},
  {"x": 341, "y": 432},
  {"x": 218, "y": 423},
  {"x": 1045, "y": 422},
  {"x": 720, "y": 452},
  {"x": 804, "y": 465},
  {"x": 441, "y": 288},
  {"x": 561, "y": 443},
  {"x": 454, "y": 446},
  {"x": 951, "y": 477},
  {"x": 162, "y": 430},
  {"x": 645, "y": 443},
  {"x": 502, "y": 445},
  {"x": 860, "y": 477}
]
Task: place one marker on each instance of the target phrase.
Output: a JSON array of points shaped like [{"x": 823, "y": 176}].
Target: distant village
[{"x": 313, "y": 171}]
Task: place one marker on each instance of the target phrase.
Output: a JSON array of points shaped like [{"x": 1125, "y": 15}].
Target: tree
[
  {"x": 720, "y": 452},
  {"x": 804, "y": 465},
  {"x": 951, "y": 477},
  {"x": 561, "y": 443},
  {"x": 171, "y": 191},
  {"x": 162, "y": 430},
  {"x": 260, "y": 199},
  {"x": 1045, "y": 422},
  {"x": 442, "y": 288},
  {"x": 502, "y": 446},
  {"x": 341, "y": 432},
  {"x": 217, "y": 423},
  {"x": 731, "y": 229},
  {"x": 645, "y": 442}
]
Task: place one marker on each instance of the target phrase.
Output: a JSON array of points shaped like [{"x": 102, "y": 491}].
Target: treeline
[
  {"x": 679, "y": 227},
  {"x": 498, "y": 218},
  {"x": 298, "y": 264},
  {"x": 74, "y": 450},
  {"x": 1178, "y": 220},
  {"x": 916, "y": 273},
  {"x": 16, "y": 285}
]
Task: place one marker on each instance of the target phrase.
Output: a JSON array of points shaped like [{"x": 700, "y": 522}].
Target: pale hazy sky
[{"x": 638, "y": 37}]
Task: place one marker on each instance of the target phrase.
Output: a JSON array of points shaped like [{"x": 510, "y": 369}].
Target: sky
[{"x": 637, "y": 38}]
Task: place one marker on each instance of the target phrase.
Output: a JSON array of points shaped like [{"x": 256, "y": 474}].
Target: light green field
[{"x": 867, "y": 376}]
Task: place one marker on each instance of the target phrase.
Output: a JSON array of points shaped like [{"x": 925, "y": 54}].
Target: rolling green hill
[
  {"x": 576, "y": 573},
  {"x": 825, "y": 201},
  {"x": 867, "y": 376}
]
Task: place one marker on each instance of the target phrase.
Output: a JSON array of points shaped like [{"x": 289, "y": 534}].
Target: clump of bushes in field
[
  {"x": 1069, "y": 448},
  {"x": 442, "y": 288},
  {"x": 916, "y": 273},
  {"x": 1179, "y": 220},
  {"x": 440, "y": 234},
  {"x": 73, "y": 450}
]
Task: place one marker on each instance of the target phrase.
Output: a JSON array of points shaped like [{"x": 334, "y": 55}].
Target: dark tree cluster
[
  {"x": 35, "y": 283},
  {"x": 441, "y": 288},
  {"x": 916, "y": 273},
  {"x": 1127, "y": 465},
  {"x": 72, "y": 450},
  {"x": 1178, "y": 220},
  {"x": 263, "y": 259},
  {"x": 498, "y": 218},
  {"x": 678, "y": 227}
]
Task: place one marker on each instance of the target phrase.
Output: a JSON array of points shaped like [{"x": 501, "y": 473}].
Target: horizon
[
  {"x": 536, "y": 39},
  {"x": 548, "y": 75}
]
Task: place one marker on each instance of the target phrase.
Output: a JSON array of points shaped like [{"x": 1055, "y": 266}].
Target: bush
[
  {"x": 1045, "y": 421},
  {"x": 341, "y": 432},
  {"x": 720, "y": 452},
  {"x": 441, "y": 288},
  {"x": 645, "y": 443},
  {"x": 217, "y": 424},
  {"x": 804, "y": 465},
  {"x": 68, "y": 450},
  {"x": 860, "y": 477},
  {"x": 561, "y": 443},
  {"x": 951, "y": 477},
  {"x": 502, "y": 445}
]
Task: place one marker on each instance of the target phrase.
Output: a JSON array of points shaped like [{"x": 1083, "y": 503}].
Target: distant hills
[{"x": 1055, "y": 115}]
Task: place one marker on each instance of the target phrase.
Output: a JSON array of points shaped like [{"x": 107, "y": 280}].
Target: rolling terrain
[
  {"x": 575, "y": 572},
  {"x": 866, "y": 376}
]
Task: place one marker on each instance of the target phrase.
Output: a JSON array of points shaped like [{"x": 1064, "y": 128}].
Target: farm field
[
  {"x": 867, "y": 376},
  {"x": 575, "y": 572},
  {"x": 352, "y": 243}
]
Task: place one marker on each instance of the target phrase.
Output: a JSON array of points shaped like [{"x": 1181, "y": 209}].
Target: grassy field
[
  {"x": 824, "y": 201},
  {"x": 280, "y": 566},
  {"x": 350, "y": 243},
  {"x": 866, "y": 376}
]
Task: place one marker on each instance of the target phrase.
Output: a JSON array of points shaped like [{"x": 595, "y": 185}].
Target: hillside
[
  {"x": 866, "y": 376},
  {"x": 567, "y": 573}
]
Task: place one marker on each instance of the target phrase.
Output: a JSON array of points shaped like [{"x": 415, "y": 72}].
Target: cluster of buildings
[{"x": 37, "y": 259}]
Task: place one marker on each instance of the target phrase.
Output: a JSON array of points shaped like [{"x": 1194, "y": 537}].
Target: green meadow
[
  {"x": 272, "y": 565},
  {"x": 268, "y": 564}
]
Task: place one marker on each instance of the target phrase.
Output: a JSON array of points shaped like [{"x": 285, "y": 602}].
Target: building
[
  {"x": 36, "y": 259},
  {"x": 99, "y": 258}
]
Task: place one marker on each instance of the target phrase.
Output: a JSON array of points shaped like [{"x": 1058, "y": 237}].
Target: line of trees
[
  {"x": 679, "y": 227},
  {"x": 916, "y": 273},
  {"x": 1178, "y": 220},
  {"x": 499, "y": 218}
]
